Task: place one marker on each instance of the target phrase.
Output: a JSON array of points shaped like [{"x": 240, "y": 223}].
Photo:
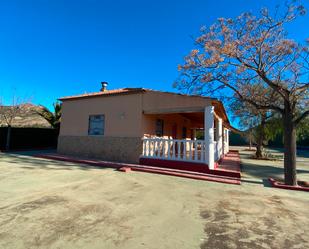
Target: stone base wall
[{"x": 118, "y": 149}]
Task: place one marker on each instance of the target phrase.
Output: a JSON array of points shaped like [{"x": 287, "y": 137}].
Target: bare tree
[
  {"x": 242, "y": 55},
  {"x": 9, "y": 113}
]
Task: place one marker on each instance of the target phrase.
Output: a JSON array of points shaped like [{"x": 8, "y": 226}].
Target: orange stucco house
[{"x": 138, "y": 125}]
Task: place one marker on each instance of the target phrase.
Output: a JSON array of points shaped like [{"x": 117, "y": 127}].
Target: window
[
  {"x": 96, "y": 125},
  {"x": 159, "y": 127}
]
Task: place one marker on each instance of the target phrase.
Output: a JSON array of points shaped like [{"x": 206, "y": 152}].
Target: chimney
[{"x": 104, "y": 86}]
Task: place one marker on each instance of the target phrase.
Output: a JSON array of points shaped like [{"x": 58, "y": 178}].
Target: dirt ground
[{"x": 49, "y": 204}]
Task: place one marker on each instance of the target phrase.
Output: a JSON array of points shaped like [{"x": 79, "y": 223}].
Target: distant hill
[{"x": 29, "y": 118}]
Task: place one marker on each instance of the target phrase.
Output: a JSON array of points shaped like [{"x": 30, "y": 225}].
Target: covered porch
[{"x": 197, "y": 136}]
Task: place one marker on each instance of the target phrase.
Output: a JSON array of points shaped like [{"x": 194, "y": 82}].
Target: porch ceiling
[{"x": 195, "y": 113}]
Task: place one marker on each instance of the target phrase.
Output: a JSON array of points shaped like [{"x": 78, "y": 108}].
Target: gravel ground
[{"x": 49, "y": 204}]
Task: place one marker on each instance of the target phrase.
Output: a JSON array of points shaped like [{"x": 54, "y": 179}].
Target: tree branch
[
  {"x": 302, "y": 87},
  {"x": 301, "y": 117},
  {"x": 243, "y": 98}
]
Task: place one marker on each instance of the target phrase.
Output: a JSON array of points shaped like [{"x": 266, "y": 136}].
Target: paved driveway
[{"x": 49, "y": 204}]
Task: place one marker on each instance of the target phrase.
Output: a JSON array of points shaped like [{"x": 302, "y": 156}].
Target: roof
[
  {"x": 124, "y": 91},
  {"x": 105, "y": 93},
  {"x": 28, "y": 117}
]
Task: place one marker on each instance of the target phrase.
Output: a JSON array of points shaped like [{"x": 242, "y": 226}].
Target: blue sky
[{"x": 53, "y": 48}]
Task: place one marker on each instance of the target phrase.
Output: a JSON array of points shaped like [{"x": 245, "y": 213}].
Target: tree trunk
[
  {"x": 8, "y": 138},
  {"x": 289, "y": 147},
  {"x": 259, "y": 151},
  {"x": 260, "y": 139}
]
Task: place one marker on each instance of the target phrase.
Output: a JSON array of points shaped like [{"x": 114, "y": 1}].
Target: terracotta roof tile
[{"x": 108, "y": 92}]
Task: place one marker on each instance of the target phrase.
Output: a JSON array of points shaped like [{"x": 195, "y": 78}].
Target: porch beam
[{"x": 175, "y": 110}]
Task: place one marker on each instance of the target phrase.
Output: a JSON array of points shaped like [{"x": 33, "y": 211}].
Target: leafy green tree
[
  {"x": 52, "y": 117},
  {"x": 303, "y": 130},
  {"x": 302, "y": 133}
]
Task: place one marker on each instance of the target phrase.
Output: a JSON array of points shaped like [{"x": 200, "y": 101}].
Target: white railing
[{"x": 174, "y": 149}]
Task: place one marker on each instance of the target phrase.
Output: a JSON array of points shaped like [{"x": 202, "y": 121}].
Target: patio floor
[{"x": 54, "y": 204}]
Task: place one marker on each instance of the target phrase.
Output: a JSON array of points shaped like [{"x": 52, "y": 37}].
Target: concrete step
[{"x": 183, "y": 173}]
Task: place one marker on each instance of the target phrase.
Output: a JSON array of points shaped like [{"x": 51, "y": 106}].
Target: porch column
[
  {"x": 209, "y": 136},
  {"x": 227, "y": 140},
  {"x": 219, "y": 138},
  {"x": 223, "y": 141}
]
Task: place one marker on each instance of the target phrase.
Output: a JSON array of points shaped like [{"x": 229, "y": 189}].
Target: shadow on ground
[
  {"x": 29, "y": 162},
  {"x": 258, "y": 171}
]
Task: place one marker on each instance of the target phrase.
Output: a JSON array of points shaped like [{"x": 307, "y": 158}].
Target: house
[
  {"x": 138, "y": 125},
  {"x": 29, "y": 130},
  {"x": 28, "y": 117}
]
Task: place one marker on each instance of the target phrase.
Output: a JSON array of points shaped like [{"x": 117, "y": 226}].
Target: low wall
[{"x": 118, "y": 149}]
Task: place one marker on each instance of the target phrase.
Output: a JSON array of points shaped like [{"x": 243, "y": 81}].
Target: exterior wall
[
  {"x": 120, "y": 149},
  {"x": 122, "y": 132},
  {"x": 170, "y": 120},
  {"x": 123, "y": 115},
  {"x": 159, "y": 100}
]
